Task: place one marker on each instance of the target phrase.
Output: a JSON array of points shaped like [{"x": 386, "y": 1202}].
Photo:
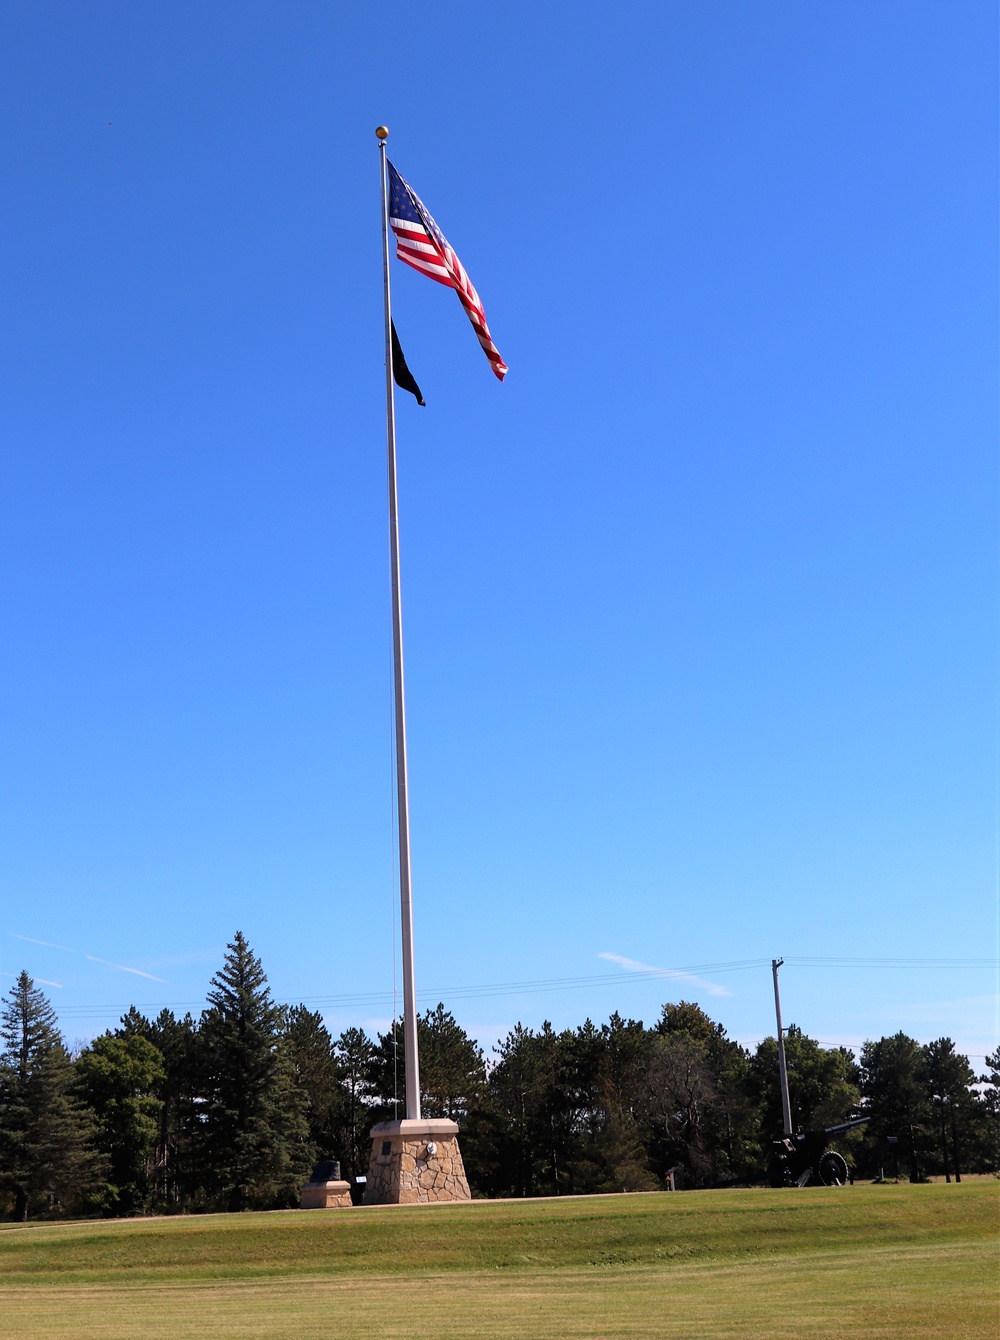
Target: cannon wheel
[{"x": 832, "y": 1168}]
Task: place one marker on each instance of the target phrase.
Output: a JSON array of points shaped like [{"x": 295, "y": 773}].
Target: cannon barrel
[{"x": 845, "y": 1126}]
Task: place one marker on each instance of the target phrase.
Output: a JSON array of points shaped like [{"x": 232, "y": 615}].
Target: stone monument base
[
  {"x": 325, "y": 1196},
  {"x": 415, "y": 1162}
]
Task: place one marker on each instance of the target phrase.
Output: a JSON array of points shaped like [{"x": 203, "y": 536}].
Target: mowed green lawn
[{"x": 884, "y": 1261}]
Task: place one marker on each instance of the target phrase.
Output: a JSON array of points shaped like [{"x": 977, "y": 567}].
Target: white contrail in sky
[
  {"x": 121, "y": 968},
  {"x": 44, "y": 980},
  {"x": 633, "y": 965},
  {"x": 106, "y": 963},
  {"x": 47, "y": 943}
]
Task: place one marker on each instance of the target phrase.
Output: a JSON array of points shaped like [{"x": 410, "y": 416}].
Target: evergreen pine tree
[
  {"x": 452, "y": 1070},
  {"x": 45, "y": 1149},
  {"x": 117, "y": 1077},
  {"x": 355, "y": 1053},
  {"x": 624, "y": 1135},
  {"x": 531, "y": 1093},
  {"x": 317, "y": 1074},
  {"x": 893, "y": 1084},
  {"x": 255, "y": 1147},
  {"x": 949, "y": 1078},
  {"x": 990, "y": 1115},
  {"x": 178, "y": 1041}
]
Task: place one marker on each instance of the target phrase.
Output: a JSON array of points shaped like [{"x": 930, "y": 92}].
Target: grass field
[{"x": 883, "y": 1261}]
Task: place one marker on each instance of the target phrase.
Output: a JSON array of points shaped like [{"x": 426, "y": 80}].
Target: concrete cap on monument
[{"x": 412, "y": 1129}]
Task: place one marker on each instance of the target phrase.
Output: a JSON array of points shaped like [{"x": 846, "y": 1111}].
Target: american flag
[{"x": 421, "y": 243}]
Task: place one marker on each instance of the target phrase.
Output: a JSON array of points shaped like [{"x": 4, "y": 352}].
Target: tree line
[{"x": 231, "y": 1110}]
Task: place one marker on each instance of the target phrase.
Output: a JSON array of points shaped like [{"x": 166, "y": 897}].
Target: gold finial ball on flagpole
[{"x": 382, "y": 132}]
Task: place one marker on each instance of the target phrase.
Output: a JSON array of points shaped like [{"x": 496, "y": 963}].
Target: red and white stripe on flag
[{"x": 421, "y": 243}]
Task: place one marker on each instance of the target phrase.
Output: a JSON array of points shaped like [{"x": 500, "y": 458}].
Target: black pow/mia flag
[{"x": 401, "y": 374}]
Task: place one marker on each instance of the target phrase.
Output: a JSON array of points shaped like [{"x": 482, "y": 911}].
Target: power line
[
  {"x": 893, "y": 962},
  {"x": 376, "y": 999}
]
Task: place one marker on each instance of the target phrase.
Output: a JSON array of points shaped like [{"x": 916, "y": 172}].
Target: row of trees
[{"x": 231, "y": 1110}]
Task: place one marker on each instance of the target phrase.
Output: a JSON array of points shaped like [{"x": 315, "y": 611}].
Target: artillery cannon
[{"x": 804, "y": 1157}]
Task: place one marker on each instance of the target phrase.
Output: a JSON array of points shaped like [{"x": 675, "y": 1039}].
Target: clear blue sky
[{"x": 700, "y": 604}]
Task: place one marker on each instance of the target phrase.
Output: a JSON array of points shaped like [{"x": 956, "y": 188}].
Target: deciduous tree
[{"x": 822, "y": 1083}]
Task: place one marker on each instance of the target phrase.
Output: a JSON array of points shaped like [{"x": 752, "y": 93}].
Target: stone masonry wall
[
  {"x": 325, "y": 1196},
  {"x": 408, "y": 1175}
]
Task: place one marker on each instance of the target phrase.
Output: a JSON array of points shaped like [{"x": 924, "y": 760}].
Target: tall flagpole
[{"x": 402, "y": 797}]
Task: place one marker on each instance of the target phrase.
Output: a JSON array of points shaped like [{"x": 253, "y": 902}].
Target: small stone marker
[{"x": 325, "y": 1190}]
